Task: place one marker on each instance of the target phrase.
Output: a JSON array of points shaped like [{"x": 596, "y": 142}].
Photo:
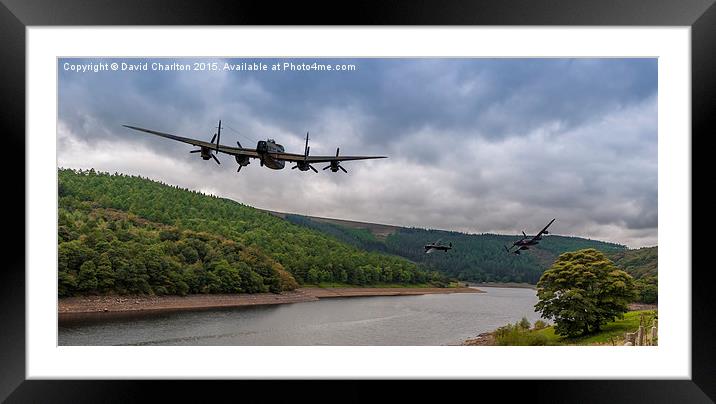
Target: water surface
[{"x": 446, "y": 319}]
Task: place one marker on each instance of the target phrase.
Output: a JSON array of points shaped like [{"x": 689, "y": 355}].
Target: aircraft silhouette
[
  {"x": 437, "y": 247},
  {"x": 269, "y": 153},
  {"x": 526, "y": 241}
]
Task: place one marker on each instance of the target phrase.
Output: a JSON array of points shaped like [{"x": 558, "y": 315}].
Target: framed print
[{"x": 415, "y": 200}]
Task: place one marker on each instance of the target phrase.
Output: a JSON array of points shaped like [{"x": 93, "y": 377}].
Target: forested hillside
[
  {"x": 475, "y": 257},
  {"x": 642, "y": 265},
  {"x": 360, "y": 238},
  {"x": 127, "y": 234},
  {"x": 639, "y": 263}
]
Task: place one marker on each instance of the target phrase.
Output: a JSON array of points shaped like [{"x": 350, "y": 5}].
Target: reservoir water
[{"x": 443, "y": 319}]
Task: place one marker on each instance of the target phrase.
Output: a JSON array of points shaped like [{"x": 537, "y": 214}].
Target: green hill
[
  {"x": 642, "y": 264},
  {"x": 481, "y": 257},
  {"x": 127, "y": 234},
  {"x": 639, "y": 263},
  {"x": 476, "y": 257}
]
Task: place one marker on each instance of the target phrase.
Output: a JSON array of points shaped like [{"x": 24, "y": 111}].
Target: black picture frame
[{"x": 16, "y": 15}]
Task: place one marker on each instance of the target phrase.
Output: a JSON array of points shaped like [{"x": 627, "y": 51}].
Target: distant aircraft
[
  {"x": 526, "y": 241},
  {"x": 436, "y": 246},
  {"x": 269, "y": 153}
]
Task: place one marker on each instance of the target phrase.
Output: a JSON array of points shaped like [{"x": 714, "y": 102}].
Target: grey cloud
[{"x": 480, "y": 145}]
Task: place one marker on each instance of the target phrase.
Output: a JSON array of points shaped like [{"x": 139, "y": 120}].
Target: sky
[{"x": 473, "y": 145}]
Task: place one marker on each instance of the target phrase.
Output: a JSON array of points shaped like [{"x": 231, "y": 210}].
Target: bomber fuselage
[
  {"x": 268, "y": 152},
  {"x": 437, "y": 247},
  {"x": 526, "y": 242}
]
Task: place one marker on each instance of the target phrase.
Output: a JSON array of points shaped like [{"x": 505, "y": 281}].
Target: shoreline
[
  {"x": 72, "y": 307},
  {"x": 503, "y": 285}
]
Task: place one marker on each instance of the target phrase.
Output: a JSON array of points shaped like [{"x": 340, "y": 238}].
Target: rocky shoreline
[
  {"x": 486, "y": 338},
  {"x": 71, "y": 306}
]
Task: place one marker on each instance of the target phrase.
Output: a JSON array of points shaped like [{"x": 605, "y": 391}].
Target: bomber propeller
[
  {"x": 206, "y": 152},
  {"x": 335, "y": 165},
  {"x": 305, "y": 165}
]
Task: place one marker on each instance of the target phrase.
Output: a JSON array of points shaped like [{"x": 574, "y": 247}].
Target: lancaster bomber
[
  {"x": 436, "y": 246},
  {"x": 269, "y": 153},
  {"x": 526, "y": 241}
]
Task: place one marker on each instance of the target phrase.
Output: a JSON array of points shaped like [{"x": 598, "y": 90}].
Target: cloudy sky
[{"x": 474, "y": 145}]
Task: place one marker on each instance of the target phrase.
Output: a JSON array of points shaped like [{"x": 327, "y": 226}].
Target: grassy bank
[{"x": 610, "y": 334}]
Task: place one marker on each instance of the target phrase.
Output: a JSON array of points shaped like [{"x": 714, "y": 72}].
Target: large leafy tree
[{"x": 582, "y": 291}]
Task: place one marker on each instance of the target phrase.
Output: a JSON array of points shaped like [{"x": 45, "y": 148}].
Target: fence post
[
  {"x": 640, "y": 336},
  {"x": 629, "y": 338}
]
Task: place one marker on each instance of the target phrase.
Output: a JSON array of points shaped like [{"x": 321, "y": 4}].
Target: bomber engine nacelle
[
  {"x": 335, "y": 164},
  {"x": 205, "y": 153},
  {"x": 305, "y": 165},
  {"x": 243, "y": 161}
]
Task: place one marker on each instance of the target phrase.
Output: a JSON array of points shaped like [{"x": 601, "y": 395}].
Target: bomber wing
[
  {"x": 295, "y": 158},
  {"x": 236, "y": 151},
  {"x": 543, "y": 230}
]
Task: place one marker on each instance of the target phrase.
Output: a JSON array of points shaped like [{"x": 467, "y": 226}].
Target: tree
[
  {"x": 582, "y": 291},
  {"x": 647, "y": 289},
  {"x": 169, "y": 234},
  {"x": 314, "y": 275},
  {"x": 287, "y": 282},
  {"x": 87, "y": 278},
  {"x": 66, "y": 283},
  {"x": 105, "y": 275},
  {"x": 229, "y": 277},
  {"x": 189, "y": 254}
]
